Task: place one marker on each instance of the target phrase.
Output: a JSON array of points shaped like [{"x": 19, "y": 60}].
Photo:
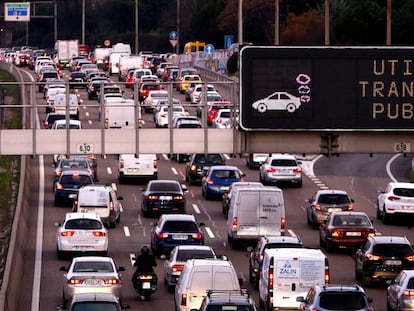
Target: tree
[{"x": 304, "y": 29}]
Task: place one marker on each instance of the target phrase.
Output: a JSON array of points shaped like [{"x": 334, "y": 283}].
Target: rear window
[
  {"x": 404, "y": 192},
  {"x": 350, "y": 220},
  {"x": 283, "y": 162},
  {"x": 343, "y": 301},
  {"x": 184, "y": 255},
  {"x": 85, "y": 224},
  {"x": 393, "y": 250},
  {"x": 75, "y": 180},
  {"x": 165, "y": 187},
  {"x": 180, "y": 226},
  {"x": 224, "y": 174},
  {"x": 95, "y": 306},
  {"x": 333, "y": 199},
  {"x": 93, "y": 266},
  {"x": 283, "y": 245},
  {"x": 211, "y": 158}
]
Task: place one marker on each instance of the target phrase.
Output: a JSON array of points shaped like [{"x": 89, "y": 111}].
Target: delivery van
[
  {"x": 59, "y": 105},
  {"x": 288, "y": 273},
  {"x": 200, "y": 275},
  {"x": 134, "y": 166},
  {"x": 255, "y": 212},
  {"x": 101, "y": 199},
  {"x": 120, "y": 113}
]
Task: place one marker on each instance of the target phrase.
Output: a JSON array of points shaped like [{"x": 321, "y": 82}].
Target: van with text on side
[
  {"x": 288, "y": 273},
  {"x": 255, "y": 211}
]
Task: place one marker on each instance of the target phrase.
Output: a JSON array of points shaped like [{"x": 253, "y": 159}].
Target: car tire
[
  {"x": 60, "y": 254},
  {"x": 251, "y": 277},
  {"x": 321, "y": 242},
  {"x": 262, "y": 107},
  {"x": 386, "y": 218},
  {"x": 388, "y": 306},
  {"x": 57, "y": 202},
  {"x": 366, "y": 280},
  {"x": 299, "y": 184},
  {"x": 170, "y": 288},
  {"x": 358, "y": 275},
  {"x": 379, "y": 215},
  {"x": 291, "y": 108}
]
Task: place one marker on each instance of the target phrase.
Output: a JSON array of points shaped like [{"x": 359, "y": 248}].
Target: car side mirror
[
  {"x": 249, "y": 249},
  {"x": 300, "y": 299},
  {"x": 202, "y": 224},
  {"x": 120, "y": 198},
  {"x": 121, "y": 269},
  {"x": 125, "y": 306},
  {"x": 64, "y": 269},
  {"x": 57, "y": 224},
  {"x": 240, "y": 281}
]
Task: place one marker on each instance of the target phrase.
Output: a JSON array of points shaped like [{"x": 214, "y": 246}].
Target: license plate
[
  {"x": 146, "y": 285},
  {"x": 179, "y": 237},
  {"x": 407, "y": 207},
  {"x": 86, "y": 210},
  {"x": 93, "y": 282},
  {"x": 249, "y": 228},
  {"x": 72, "y": 196},
  {"x": 224, "y": 188},
  {"x": 332, "y": 209},
  {"x": 165, "y": 197},
  {"x": 132, "y": 170},
  {"x": 353, "y": 233},
  {"x": 393, "y": 262}
]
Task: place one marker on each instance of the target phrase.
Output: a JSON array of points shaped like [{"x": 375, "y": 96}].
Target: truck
[{"x": 66, "y": 49}]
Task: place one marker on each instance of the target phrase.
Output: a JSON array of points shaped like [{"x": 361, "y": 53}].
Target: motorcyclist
[{"x": 144, "y": 263}]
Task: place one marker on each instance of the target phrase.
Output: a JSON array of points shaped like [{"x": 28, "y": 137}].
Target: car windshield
[
  {"x": 74, "y": 164},
  {"x": 93, "y": 266},
  {"x": 393, "y": 250},
  {"x": 180, "y": 226},
  {"x": 184, "y": 255},
  {"x": 333, "y": 199},
  {"x": 283, "y": 162},
  {"x": 95, "y": 306},
  {"x": 342, "y": 301},
  {"x": 404, "y": 192},
  {"x": 83, "y": 224}
]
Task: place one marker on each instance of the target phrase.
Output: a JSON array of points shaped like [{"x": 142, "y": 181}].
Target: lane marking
[
  {"x": 210, "y": 233},
  {"x": 174, "y": 171},
  {"x": 196, "y": 209},
  {"x": 126, "y": 231}
]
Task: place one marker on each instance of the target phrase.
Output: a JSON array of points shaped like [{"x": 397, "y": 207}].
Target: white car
[
  {"x": 397, "y": 199},
  {"x": 153, "y": 99},
  {"x": 222, "y": 119},
  {"x": 196, "y": 94},
  {"x": 161, "y": 116},
  {"x": 88, "y": 274},
  {"x": 61, "y": 124},
  {"x": 81, "y": 233},
  {"x": 179, "y": 255},
  {"x": 277, "y": 101}
]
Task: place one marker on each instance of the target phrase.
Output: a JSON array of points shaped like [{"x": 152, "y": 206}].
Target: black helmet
[{"x": 145, "y": 250}]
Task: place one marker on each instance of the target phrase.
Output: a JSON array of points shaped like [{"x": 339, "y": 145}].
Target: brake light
[
  {"x": 178, "y": 197},
  {"x": 210, "y": 181},
  {"x": 270, "y": 170},
  {"x": 408, "y": 293},
  {"x": 152, "y": 197},
  {"x": 350, "y": 207},
  {"x": 67, "y": 233},
  {"x": 162, "y": 235},
  {"x": 155, "y": 163},
  {"x": 297, "y": 170},
  {"x": 193, "y": 168},
  {"x": 177, "y": 268},
  {"x": 317, "y": 207},
  {"x": 270, "y": 276},
  {"x": 59, "y": 186},
  {"x": 283, "y": 223},
  {"x": 184, "y": 299},
  {"x": 121, "y": 164},
  {"x": 112, "y": 282},
  {"x": 74, "y": 282},
  {"x": 393, "y": 198},
  {"x": 409, "y": 258},
  {"x": 235, "y": 225},
  {"x": 337, "y": 234},
  {"x": 145, "y": 277},
  {"x": 106, "y": 123},
  {"x": 75, "y": 205},
  {"x": 197, "y": 236},
  {"x": 372, "y": 257},
  {"x": 46, "y": 125},
  {"x": 111, "y": 206},
  {"x": 98, "y": 233}
]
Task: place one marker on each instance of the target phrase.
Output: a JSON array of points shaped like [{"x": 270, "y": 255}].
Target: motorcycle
[{"x": 145, "y": 284}]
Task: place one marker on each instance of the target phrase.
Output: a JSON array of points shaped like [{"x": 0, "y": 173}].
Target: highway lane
[{"x": 360, "y": 175}]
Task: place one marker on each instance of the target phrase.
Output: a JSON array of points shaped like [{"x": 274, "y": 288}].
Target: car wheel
[
  {"x": 60, "y": 254},
  {"x": 251, "y": 277},
  {"x": 170, "y": 289},
  {"x": 366, "y": 280},
  {"x": 321, "y": 242},
  {"x": 262, "y": 108},
  {"x": 379, "y": 215},
  {"x": 299, "y": 184},
  {"x": 291, "y": 108},
  {"x": 329, "y": 247},
  {"x": 118, "y": 219},
  {"x": 144, "y": 213},
  {"x": 57, "y": 202},
  {"x": 308, "y": 219},
  {"x": 358, "y": 275},
  {"x": 388, "y": 305},
  {"x": 386, "y": 218},
  {"x": 315, "y": 225}
]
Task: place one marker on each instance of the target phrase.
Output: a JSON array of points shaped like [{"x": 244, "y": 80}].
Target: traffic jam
[{"x": 198, "y": 231}]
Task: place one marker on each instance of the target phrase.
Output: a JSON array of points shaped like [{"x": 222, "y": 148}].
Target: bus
[{"x": 194, "y": 46}]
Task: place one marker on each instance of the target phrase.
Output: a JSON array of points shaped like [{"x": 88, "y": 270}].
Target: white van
[
  {"x": 100, "y": 199},
  {"x": 120, "y": 113},
  {"x": 59, "y": 105},
  {"x": 114, "y": 58},
  {"x": 134, "y": 166},
  {"x": 255, "y": 212},
  {"x": 129, "y": 61},
  {"x": 200, "y": 275},
  {"x": 288, "y": 273}
]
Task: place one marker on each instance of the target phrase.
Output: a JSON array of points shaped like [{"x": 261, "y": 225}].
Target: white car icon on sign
[{"x": 277, "y": 101}]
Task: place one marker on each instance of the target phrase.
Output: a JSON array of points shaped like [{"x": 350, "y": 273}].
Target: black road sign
[{"x": 327, "y": 88}]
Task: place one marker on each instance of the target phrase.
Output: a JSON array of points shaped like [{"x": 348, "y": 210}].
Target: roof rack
[{"x": 229, "y": 292}]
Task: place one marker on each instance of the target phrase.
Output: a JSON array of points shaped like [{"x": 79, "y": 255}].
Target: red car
[
  {"x": 345, "y": 230},
  {"x": 146, "y": 87},
  {"x": 214, "y": 108}
]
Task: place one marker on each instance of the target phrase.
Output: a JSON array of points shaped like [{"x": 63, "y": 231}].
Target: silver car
[
  {"x": 400, "y": 292},
  {"x": 281, "y": 167},
  {"x": 91, "y": 274}
]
